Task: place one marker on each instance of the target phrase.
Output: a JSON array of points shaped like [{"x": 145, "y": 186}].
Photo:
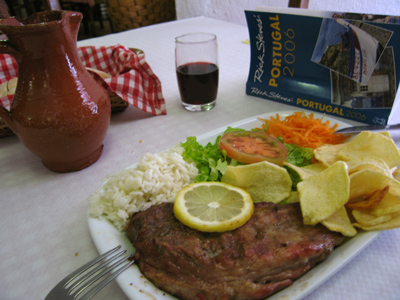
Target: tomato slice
[{"x": 252, "y": 147}]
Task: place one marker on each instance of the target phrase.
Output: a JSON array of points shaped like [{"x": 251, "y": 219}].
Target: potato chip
[
  {"x": 372, "y": 163},
  {"x": 385, "y": 215},
  {"x": 396, "y": 173},
  {"x": 371, "y": 159},
  {"x": 386, "y": 133},
  {"x": 340, "y": 222},
  {"x": 323, "y": 194},
  {"x": 371, "y": 145},
  {"x": 366, "y": 181},
  {"x": 389, "y": 204},
  {"x": 264, "y": 181},
  {"x": 328, "y": 154},
  {"x": 306, "y": 171},
  {"x": 370, "y": 200},
  {"x": 293, "y": 198},
  {"x": 393, "y": 223},
  {"x": 364, "y": 218}
]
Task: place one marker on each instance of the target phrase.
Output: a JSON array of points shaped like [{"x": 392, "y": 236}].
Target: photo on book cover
[
  {"x": 378, "y": 92},
  {"x": 350, "y": 47},
  {"x": 367, "y": 17}
]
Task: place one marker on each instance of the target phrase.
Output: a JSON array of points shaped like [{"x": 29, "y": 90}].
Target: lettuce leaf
[
  {"x": 210, "y": 161},
  {"x": 299, "y": 156}
]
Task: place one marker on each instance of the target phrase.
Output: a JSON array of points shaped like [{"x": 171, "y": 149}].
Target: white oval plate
[{"x": 137, "y": 287}]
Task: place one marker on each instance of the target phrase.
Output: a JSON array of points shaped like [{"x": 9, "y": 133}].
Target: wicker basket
[
  {"x": 130, "y": 14},
  {"x": 117, "y": 104}
]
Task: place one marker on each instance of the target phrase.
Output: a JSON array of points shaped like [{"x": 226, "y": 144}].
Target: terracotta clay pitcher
[{"x": 59, "y": 112}]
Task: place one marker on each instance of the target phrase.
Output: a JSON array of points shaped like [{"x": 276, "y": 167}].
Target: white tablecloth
[{"x": 44, "y": 232}]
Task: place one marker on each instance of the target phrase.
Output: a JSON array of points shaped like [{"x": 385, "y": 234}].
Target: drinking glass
[{"x": 196, "y": 62}]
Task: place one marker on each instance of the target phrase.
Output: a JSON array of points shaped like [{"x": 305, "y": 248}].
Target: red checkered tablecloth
[{"x": 131, "y": 79}]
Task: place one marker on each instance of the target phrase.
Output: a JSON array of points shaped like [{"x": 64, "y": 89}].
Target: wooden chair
[
  {"x": 129, "y": 14},
  {"x": 88, "y": 8},
  {"x": 52, "y": 5},
  {"x": 298, "y": 3},
  {"x": 20, "y": 8}
]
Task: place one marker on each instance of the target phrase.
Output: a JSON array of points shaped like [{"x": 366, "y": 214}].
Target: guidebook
[{"x": 341, "y": 64}]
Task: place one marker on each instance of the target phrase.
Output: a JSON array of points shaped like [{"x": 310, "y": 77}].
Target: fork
[{"x": 76, "y": 285}]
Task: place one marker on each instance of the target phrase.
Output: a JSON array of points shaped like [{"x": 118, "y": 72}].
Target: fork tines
[{"x": 89, "y": 279}]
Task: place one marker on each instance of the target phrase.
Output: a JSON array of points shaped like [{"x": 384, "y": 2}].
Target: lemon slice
[{"x": 213, "y": 206}]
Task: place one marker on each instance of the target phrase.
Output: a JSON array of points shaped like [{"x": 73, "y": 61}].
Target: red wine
[{"x": 198, "y": 82}]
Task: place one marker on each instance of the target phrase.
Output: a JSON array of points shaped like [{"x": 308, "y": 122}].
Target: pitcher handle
[{"x": 7, "y": 48}]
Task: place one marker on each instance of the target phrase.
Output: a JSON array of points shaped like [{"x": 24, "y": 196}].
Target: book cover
[{"x": 344, "y": 65}]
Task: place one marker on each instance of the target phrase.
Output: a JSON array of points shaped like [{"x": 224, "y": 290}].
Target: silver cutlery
[
  {"x": 356, "y": 129},
  {"x": 89, "y": 279}
]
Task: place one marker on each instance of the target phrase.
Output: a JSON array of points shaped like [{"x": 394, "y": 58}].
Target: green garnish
[
  {"x": 210, "y": 161},
  {"x": 299, "y": 156}
]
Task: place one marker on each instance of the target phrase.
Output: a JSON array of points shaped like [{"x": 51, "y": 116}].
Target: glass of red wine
[{"x": 196, "y": 62}]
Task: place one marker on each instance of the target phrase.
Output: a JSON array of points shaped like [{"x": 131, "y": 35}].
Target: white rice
[{"x": 155, "y": 179}]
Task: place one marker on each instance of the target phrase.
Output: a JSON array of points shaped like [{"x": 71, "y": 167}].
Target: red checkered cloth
[{"x": 131, "y": 77}]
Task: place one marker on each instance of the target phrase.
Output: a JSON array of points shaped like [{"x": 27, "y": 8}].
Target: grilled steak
[{"x": 252, "y": 262}]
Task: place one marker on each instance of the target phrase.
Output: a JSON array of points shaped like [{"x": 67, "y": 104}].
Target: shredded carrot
[{"x": 303, "y": 130}]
